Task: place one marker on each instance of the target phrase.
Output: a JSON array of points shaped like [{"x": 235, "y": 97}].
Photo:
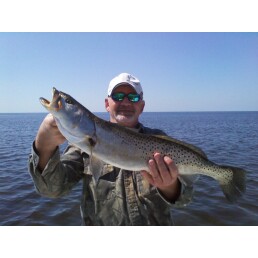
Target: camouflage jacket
[{"x": 121, "y": 197}]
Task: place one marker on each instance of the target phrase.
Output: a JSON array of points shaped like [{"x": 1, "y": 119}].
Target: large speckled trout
[{"x": 126, "y": 149}]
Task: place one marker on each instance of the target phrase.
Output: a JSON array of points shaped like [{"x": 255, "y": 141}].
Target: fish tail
[{"x": 236, "y": 186}]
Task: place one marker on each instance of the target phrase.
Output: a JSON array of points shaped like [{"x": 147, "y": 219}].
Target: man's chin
[{"x": 125, "y": 119}]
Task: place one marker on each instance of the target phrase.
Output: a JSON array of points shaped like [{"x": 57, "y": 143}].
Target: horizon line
[{"x": 143, "y": 112}]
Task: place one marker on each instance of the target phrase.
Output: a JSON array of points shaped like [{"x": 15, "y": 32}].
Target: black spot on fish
[{"x": 92, "y": 142}]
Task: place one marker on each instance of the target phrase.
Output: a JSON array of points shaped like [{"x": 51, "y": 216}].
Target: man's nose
[{"x": 126, "y": 101}]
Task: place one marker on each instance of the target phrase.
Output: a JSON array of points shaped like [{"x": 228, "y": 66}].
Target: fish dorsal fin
[{"x": 187, "y": 145}]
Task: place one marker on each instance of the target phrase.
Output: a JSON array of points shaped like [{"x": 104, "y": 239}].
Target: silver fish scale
[
  {"x": 147, "y": 145},
  {"x": 176, "y": 152}
]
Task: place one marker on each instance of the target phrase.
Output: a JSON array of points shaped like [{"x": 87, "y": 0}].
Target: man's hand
[
  {"x": 164, "y": 175},
  {"x": 47, "y": 140}
]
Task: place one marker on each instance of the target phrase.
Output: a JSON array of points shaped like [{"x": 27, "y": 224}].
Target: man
[{"x": 120, "y": 197}]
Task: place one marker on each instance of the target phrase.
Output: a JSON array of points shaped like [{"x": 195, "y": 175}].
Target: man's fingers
[
  {"x": 163, "y": 171},
  {"x": 147, "y": 176},
  {"x": 162, "y": 168},
  {"x": 51, "y": 120},
  {"x": 154, "y": 170},
  {"x": 171, "y": 166}
]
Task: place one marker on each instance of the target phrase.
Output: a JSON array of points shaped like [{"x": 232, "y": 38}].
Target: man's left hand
[{"x": 164, "y": 175}]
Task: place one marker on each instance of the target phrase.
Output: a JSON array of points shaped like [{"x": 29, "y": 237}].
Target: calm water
[{"x": 227, "y": 138}]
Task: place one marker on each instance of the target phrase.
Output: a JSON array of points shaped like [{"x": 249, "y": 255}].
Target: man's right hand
[{"x": 47, "y": 140}]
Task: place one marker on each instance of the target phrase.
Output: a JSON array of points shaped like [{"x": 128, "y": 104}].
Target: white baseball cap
[{"x": 125, "y": 78}]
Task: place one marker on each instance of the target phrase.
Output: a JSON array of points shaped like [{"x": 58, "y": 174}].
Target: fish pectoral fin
[{"x": 96, "y": 167}]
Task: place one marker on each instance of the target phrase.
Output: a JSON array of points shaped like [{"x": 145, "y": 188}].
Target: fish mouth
[
  {"x": 44, "y": 102},
  {"x": 55, "y": 104}
]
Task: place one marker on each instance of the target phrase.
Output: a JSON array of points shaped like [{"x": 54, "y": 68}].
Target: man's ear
[
  {"x": 107, "y": 105},
  {"x": 143, "y": 105}
]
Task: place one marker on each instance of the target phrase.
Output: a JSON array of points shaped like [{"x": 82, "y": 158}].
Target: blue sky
[{"x": 178, "y": 71}]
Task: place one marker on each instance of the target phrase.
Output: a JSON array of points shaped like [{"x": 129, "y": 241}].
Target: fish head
[
  {"x": 66, "y": 111},
  {"x": 55, "y": 105},
  {"x": 61, "y": 104}
]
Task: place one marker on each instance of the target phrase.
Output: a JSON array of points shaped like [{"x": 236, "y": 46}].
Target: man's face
[{"x": 125, "y": 112}]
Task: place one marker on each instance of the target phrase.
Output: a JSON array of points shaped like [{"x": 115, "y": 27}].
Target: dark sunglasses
[{"x": 119, "y": 96}]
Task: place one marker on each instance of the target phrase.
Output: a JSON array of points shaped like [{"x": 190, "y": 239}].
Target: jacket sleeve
[
  {"x": 60, "y": 173},
  {"x": 184, "y": 198}
]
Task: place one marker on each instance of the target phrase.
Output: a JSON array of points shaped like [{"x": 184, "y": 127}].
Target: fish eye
[{"x": 69, "y": 101}]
